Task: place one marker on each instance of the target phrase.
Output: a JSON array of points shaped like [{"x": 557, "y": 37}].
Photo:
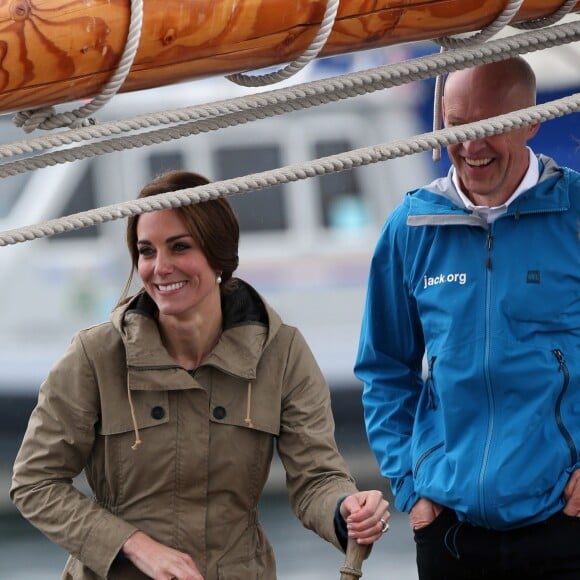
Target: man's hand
[
  {"x": 572, "y": 495},
  {"x": 423, "y": 513}
]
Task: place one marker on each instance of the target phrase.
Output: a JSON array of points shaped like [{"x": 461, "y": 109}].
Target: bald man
[{"x": 478, "y": 276}]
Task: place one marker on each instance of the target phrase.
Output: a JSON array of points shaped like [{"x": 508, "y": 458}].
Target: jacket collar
[
  {"x": 249, "y": 325},
  {"x": 440, "y": 204}
]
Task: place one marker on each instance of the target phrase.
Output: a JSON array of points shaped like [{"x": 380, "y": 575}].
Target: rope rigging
[
  {"x": 221, "y": 114},
  {"x": 295, "y": 172}
]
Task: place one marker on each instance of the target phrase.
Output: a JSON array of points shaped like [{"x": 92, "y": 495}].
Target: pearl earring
[{"x": 218, "y": 279}]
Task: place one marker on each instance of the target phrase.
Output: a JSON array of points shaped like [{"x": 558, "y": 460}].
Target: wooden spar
[
  {"x": 56, "y": 51},
  {"x": 355, "y": 555}
]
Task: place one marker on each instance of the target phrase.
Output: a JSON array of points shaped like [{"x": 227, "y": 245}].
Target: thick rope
[
  {"x": 47, "y": 118},
  {"x": 242, "y": 110},
  {"x": 308, "y": 56},
  {"x": 290, "y": 173}
]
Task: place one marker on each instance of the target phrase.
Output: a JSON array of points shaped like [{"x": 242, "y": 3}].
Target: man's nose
[{"x": 473, "y": 147}]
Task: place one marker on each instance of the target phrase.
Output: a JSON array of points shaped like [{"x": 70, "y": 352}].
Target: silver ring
[{"x": 385, "y": 526}]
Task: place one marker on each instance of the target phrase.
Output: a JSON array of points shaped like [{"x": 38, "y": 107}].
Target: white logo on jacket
[{"x": 459, "y": 277}]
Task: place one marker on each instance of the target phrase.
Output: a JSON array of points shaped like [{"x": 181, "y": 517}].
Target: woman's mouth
[{"x": 170, "y": 287}]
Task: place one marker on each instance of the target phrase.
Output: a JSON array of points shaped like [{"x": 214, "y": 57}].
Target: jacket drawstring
[
  {"x": 137, "y": 443},
  {"x": 248, "y": 419}
]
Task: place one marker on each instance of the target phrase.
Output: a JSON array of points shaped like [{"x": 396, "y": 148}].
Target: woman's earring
[{"x": 218, "y": 279}]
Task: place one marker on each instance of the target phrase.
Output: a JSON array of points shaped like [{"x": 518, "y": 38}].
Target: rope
[
  {"x": 564, "y": 10},
  {"x": 503, "y": 19},
  {"x": 231, "y": 112},
  {"x": 290, "y": 173},
  {"x": 309, "y": 54},
  {"x": 47, "y": 118}
]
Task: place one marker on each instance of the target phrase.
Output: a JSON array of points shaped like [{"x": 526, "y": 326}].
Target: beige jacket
[{"x": 206, "y": 446}]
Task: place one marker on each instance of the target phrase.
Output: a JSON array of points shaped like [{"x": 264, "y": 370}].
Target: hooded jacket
[
  {"x": 492, "y": 428},
  {"x": 182, "y": 456}
]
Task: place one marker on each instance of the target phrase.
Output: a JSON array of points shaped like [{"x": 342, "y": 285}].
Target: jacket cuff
[
  {"x": 405, "y": 495},
  {"x": 340, "y": 525},
  {"x": 104, "y": 542}
]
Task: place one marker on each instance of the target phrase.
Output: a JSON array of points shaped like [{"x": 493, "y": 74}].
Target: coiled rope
[
  {"x": 47, "y": 117},
  {"x": 294, "y": 67}
]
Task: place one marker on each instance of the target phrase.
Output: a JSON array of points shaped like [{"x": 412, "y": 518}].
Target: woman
[{"x": 173, "y": 407}]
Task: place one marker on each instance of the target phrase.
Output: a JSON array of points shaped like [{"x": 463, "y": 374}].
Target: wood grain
[{"x": 55, "y": 51}]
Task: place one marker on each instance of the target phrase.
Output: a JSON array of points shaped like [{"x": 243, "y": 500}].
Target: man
[{"x": 478, "y": 275}]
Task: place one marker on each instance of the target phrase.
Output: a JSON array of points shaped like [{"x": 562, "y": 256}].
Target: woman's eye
[
  {"x": 145, "y": 252},
  {"x": 180, "y": 247}
]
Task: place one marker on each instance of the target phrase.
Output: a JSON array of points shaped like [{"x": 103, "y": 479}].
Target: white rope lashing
[
  {"x": 47, "y": 118},
  {"x": 296, "y": 66},
  {"x": 295, "y": 172},
  {"x": 231, "y": 112},
  {"x": 564, "y": 10}
]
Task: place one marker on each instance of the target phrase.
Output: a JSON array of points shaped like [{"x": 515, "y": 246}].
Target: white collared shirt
[{"x": 492, "y": 213}]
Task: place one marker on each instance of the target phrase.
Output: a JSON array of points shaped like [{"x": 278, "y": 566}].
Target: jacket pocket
[
  {"x": 251, "y": 405},
  {"x": 424, "y": 456},
  {"x": 151, "y": 408}
]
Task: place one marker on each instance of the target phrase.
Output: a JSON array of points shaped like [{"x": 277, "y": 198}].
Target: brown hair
[{"x": 212, "y": 224}]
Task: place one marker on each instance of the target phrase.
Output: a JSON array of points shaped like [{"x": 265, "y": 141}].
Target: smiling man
[
  {"x": 478, "y": 274},
  {"x": 488, "y": 171}
]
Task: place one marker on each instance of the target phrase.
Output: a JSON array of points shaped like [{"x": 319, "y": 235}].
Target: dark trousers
[{"x": 450, "y": 550}]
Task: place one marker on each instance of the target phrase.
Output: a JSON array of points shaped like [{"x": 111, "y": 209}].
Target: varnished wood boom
[{"x": 55, "y": 51}]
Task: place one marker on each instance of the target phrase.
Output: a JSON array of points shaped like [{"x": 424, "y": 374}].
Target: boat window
[
  {"x": 261, "y": 210},
  {"x": 341, "y": 200},
  {"x": 82, "y": 198},
  {"x": 10, "y": 189}
]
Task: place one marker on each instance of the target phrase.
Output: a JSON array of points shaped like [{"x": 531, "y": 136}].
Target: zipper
[
  {"x": 430, "y": 384},
  {"x": 486, "y": 377},
  {"x": 424, "y": 457},
  {"x": 563, "y": 368}
]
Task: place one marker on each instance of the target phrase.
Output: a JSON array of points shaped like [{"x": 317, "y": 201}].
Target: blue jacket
[{"x": 488, "y": 421}]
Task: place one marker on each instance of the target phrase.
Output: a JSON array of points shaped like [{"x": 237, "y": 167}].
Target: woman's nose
[{"x": 163, "y": 264}]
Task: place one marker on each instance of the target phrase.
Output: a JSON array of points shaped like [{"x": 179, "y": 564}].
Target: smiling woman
[
  {"x": 182, "y": 257},
  {"x": 173, "y": 409}
]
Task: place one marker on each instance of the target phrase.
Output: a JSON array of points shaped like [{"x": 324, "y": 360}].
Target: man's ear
[{"x": 533, "y": 129}]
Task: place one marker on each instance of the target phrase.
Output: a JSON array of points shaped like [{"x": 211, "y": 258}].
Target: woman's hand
[
  {"x": 158, "y": 561},
  {"x": 423, "y": 513},
  {"x": 366, "y": 515}
]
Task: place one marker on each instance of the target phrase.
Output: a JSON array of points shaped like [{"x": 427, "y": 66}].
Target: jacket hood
[
  {"x": 249, "y": 325},
  {"x": 440, "y": 204}
]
